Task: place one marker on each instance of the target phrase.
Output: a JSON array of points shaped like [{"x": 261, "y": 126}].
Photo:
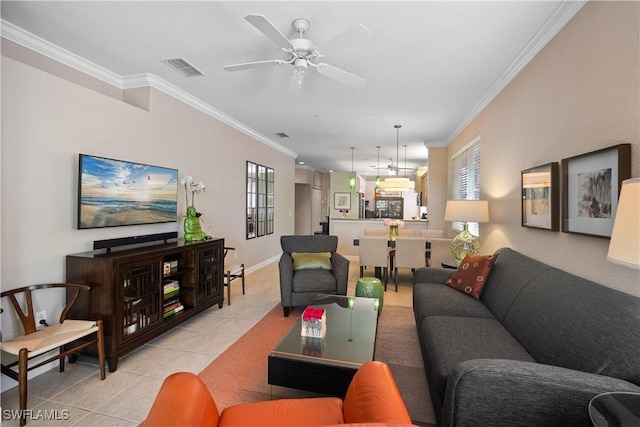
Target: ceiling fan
[
  {"x": 395, "y": 168},
  {"x": 302, "y": 53}
]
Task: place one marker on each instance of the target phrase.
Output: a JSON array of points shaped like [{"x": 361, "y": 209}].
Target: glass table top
[
  {"x": 350, "y": 337},
  {"x": 615, "y": 409}
]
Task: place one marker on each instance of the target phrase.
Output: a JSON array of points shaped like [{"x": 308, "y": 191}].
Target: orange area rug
[{"x": 239, "y": 375}]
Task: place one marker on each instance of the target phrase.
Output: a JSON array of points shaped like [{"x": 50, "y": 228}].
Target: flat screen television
[{"x": 114, "y": 193}]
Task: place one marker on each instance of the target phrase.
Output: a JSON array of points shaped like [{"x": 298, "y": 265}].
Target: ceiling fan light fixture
[{"x": 300, "y": 65}]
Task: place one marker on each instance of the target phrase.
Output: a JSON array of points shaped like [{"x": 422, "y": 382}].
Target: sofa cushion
[
  {"x": 436, "y": 299},
  {"x": 510, "y": 273},
  {"x": 311, "y": 260},
  {"x": 568, "y": 321},
  {"x": 472, "y": 274},
  {"x": 447, "y": 341},
  {"x": 317, "y": 281},
  {"x": 318, "y": 411}
]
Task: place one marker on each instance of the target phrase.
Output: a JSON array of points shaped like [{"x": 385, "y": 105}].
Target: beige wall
[
  {"x": 438, "y": 161},
  {"x": 48, "y": 120},
  {"x": 579, "y": 94}
]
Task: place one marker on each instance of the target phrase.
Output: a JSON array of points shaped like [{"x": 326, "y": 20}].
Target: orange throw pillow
[{"x": 472, "y": 274}]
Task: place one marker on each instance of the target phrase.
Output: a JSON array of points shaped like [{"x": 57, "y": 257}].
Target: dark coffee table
[{"x": 327, "y": 365}]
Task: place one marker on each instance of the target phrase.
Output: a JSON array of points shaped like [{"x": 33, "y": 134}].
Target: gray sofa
[
  {"x": 533, "y": 351},
  {"x": 302, "y": 286}
]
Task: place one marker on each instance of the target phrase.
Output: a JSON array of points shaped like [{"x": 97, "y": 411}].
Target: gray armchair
[{"x": 299, "y": 287}]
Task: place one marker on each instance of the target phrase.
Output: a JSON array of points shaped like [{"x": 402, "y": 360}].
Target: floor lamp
[{"x": 466, "y": 211}]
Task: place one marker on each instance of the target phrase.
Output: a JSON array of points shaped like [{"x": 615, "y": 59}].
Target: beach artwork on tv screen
[{"x": 116, "y": 192}]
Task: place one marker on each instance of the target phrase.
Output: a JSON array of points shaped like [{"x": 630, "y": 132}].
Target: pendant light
[
  {"x": 398, "y": 184},
  {"x": 352, "y": 178},
  {"x": 378, "y": 179}
]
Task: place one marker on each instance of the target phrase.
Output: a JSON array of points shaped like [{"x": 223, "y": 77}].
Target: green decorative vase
[
  {"x": 464, "y": 243},
  {"x": 393, "y": 232},
  {"x": 192, "y": 230}
]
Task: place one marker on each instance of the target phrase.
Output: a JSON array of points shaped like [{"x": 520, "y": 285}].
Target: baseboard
[{"x": 249, "y": 270}]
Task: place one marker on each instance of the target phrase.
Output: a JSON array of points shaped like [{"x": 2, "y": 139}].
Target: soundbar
[{"x": 123, "y": 241}]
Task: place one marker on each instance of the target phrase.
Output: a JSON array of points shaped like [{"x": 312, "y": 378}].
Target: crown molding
[
  {"x": 39, "y": 45},
  {"x": 435, "y": 144},
  {"x": 153, "y": 81},
  {"x": 17, "y": 35},
  {"x": 560, "y": 17}
]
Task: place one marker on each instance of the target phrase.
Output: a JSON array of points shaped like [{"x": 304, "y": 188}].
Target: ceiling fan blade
[
  {"x": 341, "y": 76},
  {"x": 295, "y": 83},
  {"x": 349, "y": 38},
  {"x": 257, "y": 64},
  {"x": 267, "y": 28}
]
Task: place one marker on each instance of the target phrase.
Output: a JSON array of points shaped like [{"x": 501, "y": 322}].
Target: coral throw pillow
[{"x": 472, "y": 274}]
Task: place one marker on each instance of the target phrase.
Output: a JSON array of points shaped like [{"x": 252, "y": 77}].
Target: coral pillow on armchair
[{"x": 472, "y": 274}]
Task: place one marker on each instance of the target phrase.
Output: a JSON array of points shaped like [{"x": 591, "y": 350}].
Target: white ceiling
[{"x": 431, "y": 66}]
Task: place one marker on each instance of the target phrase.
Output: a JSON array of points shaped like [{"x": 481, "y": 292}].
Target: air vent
[
  {"x": 282, "y": 135},
  {"x": 183, "y": 67}
]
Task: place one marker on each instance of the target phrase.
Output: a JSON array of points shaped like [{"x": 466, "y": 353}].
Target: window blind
[{"x": 466, "y": 180}]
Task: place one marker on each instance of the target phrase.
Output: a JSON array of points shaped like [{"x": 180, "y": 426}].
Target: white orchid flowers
[{"x": 193, "y": 187}]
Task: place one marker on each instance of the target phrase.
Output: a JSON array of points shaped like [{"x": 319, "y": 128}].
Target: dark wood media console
[{"x": 127, "y": 289}]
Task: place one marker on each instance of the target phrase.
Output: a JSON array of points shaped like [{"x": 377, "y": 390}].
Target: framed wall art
[
  {"x": 591, "y": 185},
  {"x": 541, "y": 197},
  {"x": 341, "y": 201}
]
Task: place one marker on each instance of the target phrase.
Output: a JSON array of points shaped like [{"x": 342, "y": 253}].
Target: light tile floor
[{"x": 77, "y": 397}]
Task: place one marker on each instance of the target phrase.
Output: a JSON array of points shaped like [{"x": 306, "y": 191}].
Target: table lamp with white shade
[
  {"x": 624, "y": 247},
  {"x": 466, "y": 211}
]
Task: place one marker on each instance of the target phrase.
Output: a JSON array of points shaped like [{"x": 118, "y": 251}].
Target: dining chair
[
  {"x": 61, "y": 339},
  {"x": 432, "y": 234},
  {"x": 376, "y": 231},
  {"x": 231, "y": 273},
  {"x": 374, "y": 252},
  {"x": 409, "y": 253},
  {"x": 440, "y": 249},
  {"x": 406, "y": 232}
]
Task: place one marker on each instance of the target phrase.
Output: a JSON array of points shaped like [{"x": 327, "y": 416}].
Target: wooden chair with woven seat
[
  {"x": 231, "y": 273},
  {"x": 65, "y": 337}
]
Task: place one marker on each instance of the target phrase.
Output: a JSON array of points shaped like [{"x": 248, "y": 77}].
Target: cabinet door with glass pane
[
  {"x": 209, "y": 274},
  {"x": 139, "y": 289}
]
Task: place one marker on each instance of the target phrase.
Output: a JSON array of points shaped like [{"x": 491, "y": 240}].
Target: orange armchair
[{"x": 372, "y": 399}]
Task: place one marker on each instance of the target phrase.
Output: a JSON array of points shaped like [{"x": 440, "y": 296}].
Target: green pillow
[{"x": 311, "y": 260}]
